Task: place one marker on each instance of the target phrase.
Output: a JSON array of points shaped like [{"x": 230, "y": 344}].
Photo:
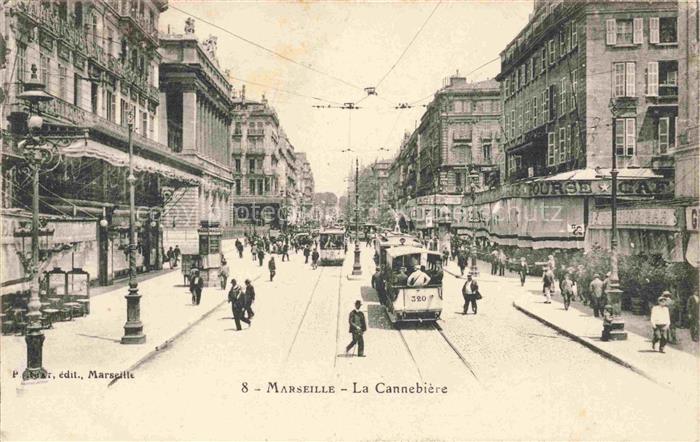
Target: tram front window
[{"x": 332, "y": 241}]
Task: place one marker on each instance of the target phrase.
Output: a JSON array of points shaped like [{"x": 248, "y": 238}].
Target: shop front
[{"x": 641, "y": 230}]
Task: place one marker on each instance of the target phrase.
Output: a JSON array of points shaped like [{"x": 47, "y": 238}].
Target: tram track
[
  {"x": 303, "y": 316},
  {"x": 423, "y": 346},
  {"x": 455, "y": 350},
  {"x": 326, "y": 274}
]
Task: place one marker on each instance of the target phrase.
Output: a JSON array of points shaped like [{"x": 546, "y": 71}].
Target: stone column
[{"x": 189, "y": 121}]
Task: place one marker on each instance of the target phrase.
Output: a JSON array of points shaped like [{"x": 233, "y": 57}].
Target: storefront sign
[
  {"x": 548, "y": 188},
  {"x": 641, "y": 217},
  {"x": 603, "y": 187},
  {"x": 575, "y": 229},
  {"x": 439, "y": 200}
]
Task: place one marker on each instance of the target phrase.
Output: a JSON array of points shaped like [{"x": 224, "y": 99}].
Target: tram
[
  {"x": 404, "y": 299},
  {"x": 332, "y": 247}
]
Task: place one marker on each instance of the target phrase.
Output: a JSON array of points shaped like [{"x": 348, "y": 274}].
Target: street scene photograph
[{"x": 349, "y": 220}]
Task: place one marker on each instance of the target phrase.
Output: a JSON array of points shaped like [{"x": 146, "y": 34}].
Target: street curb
[
  {"x": 166, "y": 344},
  {"x": 604, "y": 353}
]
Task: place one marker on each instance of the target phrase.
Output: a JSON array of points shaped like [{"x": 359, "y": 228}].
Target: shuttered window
[
  {"x": 551, "y": 148},
  {"x": 654, "y": 30},
  {"x": 638, "y": 31},
  {"x": 625, "y": 136},
  {"x": 611, "y": 32},
  {"x": 630, "y": 79},
  {"x": 653, "y": 78},
  {"x": 562, "y": 145}
]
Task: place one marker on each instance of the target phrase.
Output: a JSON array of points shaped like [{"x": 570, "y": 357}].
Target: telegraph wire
[
  {"x": 409, "y": 44},
  {"x": 285, "y": 91},
  {"x": 270, "y": 51}
]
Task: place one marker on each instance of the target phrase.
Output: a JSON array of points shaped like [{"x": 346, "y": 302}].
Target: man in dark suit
[
  {"x": 358, "y": 326},
  {"x": 196, "y": 285},
  {"x": 236, "y": 297},
  {"x": 470, "y": 293},
  {"x": 249, "y": 299}
]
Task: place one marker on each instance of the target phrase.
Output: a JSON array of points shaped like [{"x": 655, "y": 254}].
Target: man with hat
[
  {"x": 196, "y": 285},
  {"x": 358, "y": 326},
  {"x": 401, "y": 277},
  {"x": 597, "y": 295},
  {"x": 237, "y": 299},
  {"x": 673, "y": 315},
  {"x": 470, "y": 293},
  {"x": 660, "y": 320},
  {"x": 249, "y": 299},
  {"x": 693, "y": 313}
]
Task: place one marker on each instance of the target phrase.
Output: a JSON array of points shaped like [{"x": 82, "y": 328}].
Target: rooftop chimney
[
  {"x": 243, "y": 93},
  {"x": 456, "y": 79}
]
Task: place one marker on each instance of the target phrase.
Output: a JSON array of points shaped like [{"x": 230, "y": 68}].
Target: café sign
[
  {"x": 641, "y": 217},
  {"x": 647, "y": 187}
]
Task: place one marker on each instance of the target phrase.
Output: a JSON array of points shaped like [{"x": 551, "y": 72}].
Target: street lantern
[
  {"x": 133, "y": 328},
  {"x": 473, "y": 179},
  {"x": 617, "y": 332}
]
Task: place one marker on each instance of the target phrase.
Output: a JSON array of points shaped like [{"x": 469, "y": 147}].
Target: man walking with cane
[{"x": 358, "y": 326}]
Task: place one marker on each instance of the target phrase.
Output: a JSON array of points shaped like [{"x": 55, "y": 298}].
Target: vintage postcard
[{"x": 349, "y": 220}]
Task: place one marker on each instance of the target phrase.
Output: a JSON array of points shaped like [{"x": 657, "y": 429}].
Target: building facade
[
  {"x": 99, "y": 61},
  {"x": 265, "y": 167},
  {"x": 584, "y": 81},
  {"x": 455, "y": 148},
  {"x": 306, "y": 188},
  {"x": 196, "y": 122}
]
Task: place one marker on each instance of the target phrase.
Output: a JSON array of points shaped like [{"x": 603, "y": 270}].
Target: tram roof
[
  {"x": 334, "y": 231},
  {"x": 409, "y": 250},
  {"x": 396, "y": 239}
]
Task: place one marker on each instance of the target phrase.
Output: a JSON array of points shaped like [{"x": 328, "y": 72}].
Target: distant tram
[
  {"x": 331, "y": 243},
  {"x": 404, "y": 300}
]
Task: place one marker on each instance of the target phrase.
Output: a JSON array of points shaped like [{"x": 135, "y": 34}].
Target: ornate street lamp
[
  {"x": 473, "y": 179},
  {"x": 133, "y": 328},
  {"x": 617, "y": 330},
  {"x": 38, "y": 152}
]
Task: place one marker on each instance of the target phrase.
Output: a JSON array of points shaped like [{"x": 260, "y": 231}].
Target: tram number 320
[{"x": 419, "y": 298}]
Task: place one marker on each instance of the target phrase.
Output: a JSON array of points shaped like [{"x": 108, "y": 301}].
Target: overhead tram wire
[
  {"x": 270, "y": 51},
  {"x": 381, "y": 80},
  {"x": 285, "y": 91},
  {"x": 415, "y": 102},
  {"x": 425, "y": 22}
]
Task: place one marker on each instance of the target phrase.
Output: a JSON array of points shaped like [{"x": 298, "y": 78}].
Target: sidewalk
[
  {"x": 92, "y": 343},
  {"x": 675, "y": 368}
]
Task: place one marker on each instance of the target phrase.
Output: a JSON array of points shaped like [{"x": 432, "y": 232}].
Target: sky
[{"x": 328, "y": 52}]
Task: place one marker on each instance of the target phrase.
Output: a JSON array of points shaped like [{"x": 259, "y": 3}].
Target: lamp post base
[
  {"x": 615, "y": 331},
  {"x": 356, "y": 267},
  {"x": 35, "y": 344},
  {"x": 133, "y": 329}
]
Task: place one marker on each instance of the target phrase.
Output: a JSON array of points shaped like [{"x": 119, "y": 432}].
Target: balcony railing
[
  {"x": 141, "y": 21},
  {"x": 255, "y": 132},
  {"x": 74, "y": 37},
  {"x": 66, "y": 111}
]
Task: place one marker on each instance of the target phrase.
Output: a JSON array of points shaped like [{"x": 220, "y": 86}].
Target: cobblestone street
[{"x": 529, "y": 382}]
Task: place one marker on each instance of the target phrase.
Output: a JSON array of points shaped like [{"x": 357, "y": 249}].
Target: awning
[
  {"x": 593, "y": 174},
  {"x": 118, "y": 158}
]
